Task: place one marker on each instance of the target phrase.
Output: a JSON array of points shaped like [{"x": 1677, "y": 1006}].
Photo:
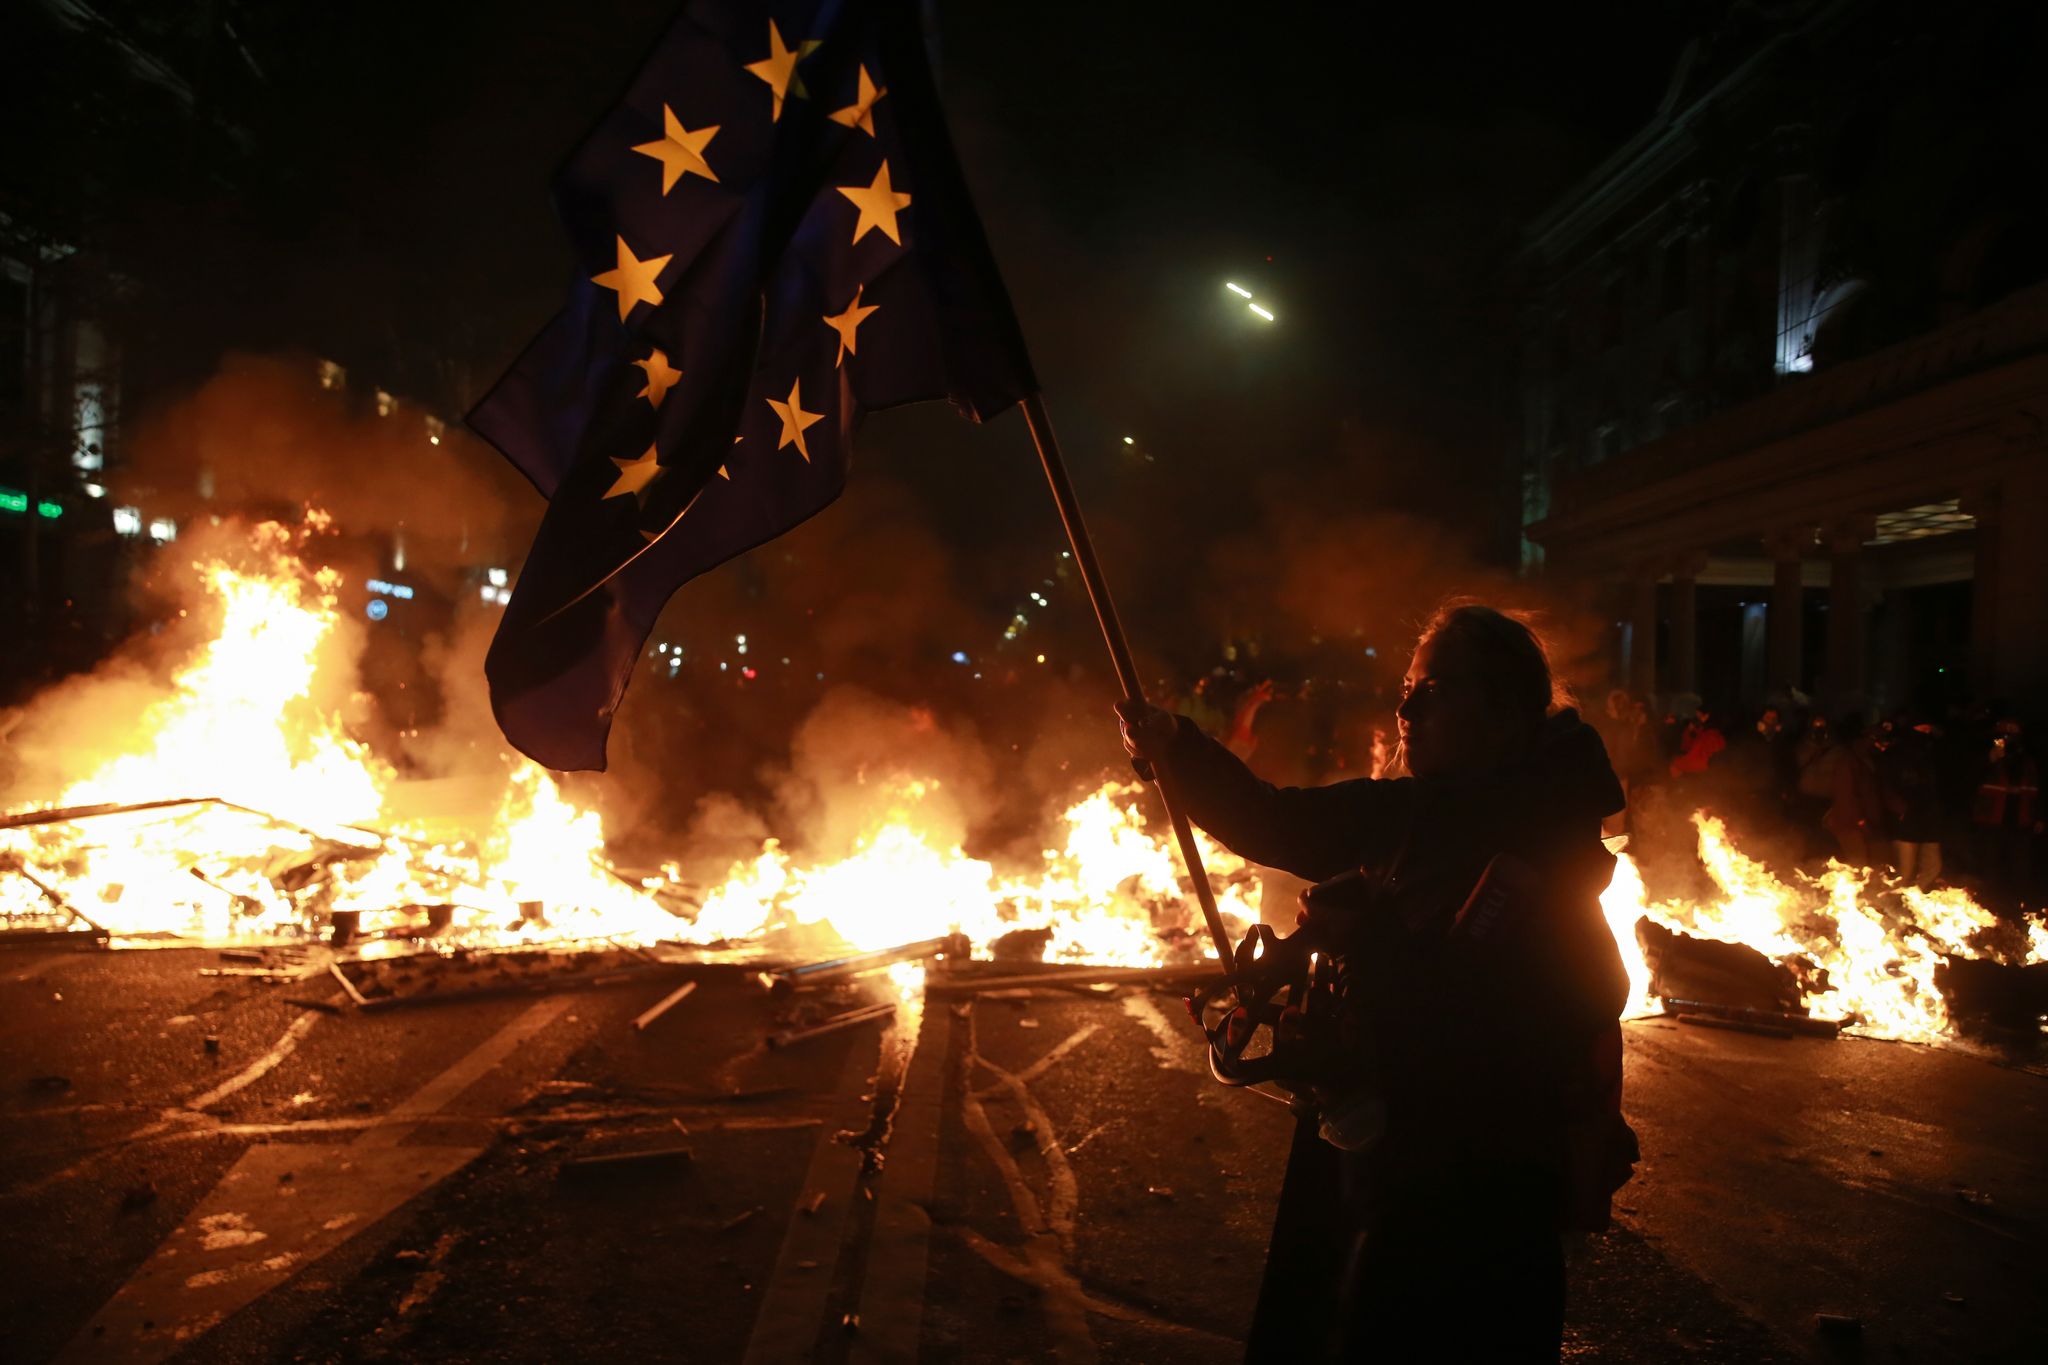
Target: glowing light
[
  {"x": 959, "y": 656},
  {"x": 498, "y": 577},
  {"x": 94, "y": 490},
  {"x": 1041, "y": 658},
  {"x": 1130, "y": 440},
  {"x": 1260, "y": 311},
  {"x": 163, "y": 530},
  {"x": 128, "y": 520},
  {"x": 377, "y": 609},
  {"x": 1877, "y": 963},
  {"x": 1237, "y": 289}
]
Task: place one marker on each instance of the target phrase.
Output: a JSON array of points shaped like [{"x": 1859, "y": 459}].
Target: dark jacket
[
  {"x": 1497, "y": 1054},
  {"x": 1485, "y": 1050}
]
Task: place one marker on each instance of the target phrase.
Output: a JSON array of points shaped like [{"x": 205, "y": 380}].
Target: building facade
[{"x": 1785, "y": 367}]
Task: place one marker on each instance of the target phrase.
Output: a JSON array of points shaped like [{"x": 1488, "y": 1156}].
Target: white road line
[
  {"x": 1066, "y": 1313},
  {"x": 485, "y": 1056},
  {"x": 259, "y": 1068},
  {"x": 284, "y": 1206}
]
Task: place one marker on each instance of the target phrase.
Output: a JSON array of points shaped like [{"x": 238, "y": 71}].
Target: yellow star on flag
[
  {"x": 721, "y": 469},
  {"x": 879, "y": 203},
  {"x": 661, "y": 377},
  {"x": 633, "y": 278},
  {"x": 848, "y": 322},
  {"x": 795, "y": 420},
  {"x": 680, "y": 151},
  {"x": 778, "y": 68},
  {"x": 635, "y": 476},
  {"x": 861, "y": 113}
]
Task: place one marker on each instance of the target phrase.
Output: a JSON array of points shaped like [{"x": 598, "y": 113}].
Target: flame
[
  {"x": 1877, "y": 944},
  {"x": 303, "y": 829}
]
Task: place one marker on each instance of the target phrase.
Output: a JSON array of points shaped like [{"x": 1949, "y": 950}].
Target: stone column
[
  {"x": 1685, "y": 623},
  {"x": 1848, "y": 642},
  {"x": 1785, "y": 622},
  {"x": 1642, "y": 650}
]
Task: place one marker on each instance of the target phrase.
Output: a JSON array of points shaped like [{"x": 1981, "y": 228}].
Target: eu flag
[{"x": 773, "y": 238}]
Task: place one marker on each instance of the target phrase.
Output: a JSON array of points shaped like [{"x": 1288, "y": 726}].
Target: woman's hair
[{"x": 1507, "y": 653}]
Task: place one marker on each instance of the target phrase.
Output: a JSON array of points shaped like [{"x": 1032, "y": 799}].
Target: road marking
[
  {"x": 1172, "y": 1049},
  {"x": 892, "y": 1290},
  {"x": 485, "y": 1056},
  {"x": 1066, "y": 1315},
  {"x": 1050, "y": 1059},
  {"x": 792, "y": 1314},
  {"x": 283, "y": 1206},
  {"x": 1029, "y": 1272},
  {"x": 259, "y": 1068},
  {"x": 1064, "y": 1196}
]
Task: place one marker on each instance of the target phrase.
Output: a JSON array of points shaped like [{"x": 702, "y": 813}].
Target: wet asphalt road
[{"x": 1062, "y": 1182}]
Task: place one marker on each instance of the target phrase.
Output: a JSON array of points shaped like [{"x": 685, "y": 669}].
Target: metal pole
[{"x": 1120, "y": 654}]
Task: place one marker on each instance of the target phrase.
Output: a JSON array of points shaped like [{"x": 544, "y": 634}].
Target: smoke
[
  {"x": 76, "y": 726},
  {"x": 789, "y": 693},
  {"x": 263, "y": 437}
]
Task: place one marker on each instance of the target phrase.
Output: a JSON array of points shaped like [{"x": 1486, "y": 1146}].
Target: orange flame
[
  {"x": 241, "y": 723},
  {"x": 1878, "y": 943}
]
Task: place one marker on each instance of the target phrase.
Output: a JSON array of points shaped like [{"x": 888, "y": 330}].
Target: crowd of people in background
[
  {"x": 1938, "y": 801},
  {"x": 1949, "y": 799}
]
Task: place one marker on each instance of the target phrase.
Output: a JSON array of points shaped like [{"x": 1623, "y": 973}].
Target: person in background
[
  {"x": 1815, "y": 760},
  {"x": 2007, "y": 813},
  {"x": 1244, "y": 715},
  {"x": 1909, "y": 778},
  {"x": 1856, "y": 813},
  {"x": 1698, "y": 742}
]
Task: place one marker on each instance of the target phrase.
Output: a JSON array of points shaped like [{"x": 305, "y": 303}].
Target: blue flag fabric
[{"x": 772, "y": 237}]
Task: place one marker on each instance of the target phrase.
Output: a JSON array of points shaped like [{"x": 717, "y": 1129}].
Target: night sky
[{"x": 1364, "y": 169}]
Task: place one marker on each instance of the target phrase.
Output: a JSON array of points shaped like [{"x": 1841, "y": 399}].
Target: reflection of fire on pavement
[{"x": 235, "y": 807}]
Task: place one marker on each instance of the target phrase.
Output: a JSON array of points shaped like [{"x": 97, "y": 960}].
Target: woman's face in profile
[{"x": 1446, "y": 727}]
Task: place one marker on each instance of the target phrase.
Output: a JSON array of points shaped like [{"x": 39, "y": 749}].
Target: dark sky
[{"x": 1363, "y": 168}]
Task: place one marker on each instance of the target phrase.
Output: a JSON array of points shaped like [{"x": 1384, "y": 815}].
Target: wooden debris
[
  {"x": 662, "y": 1006},
  {"x": 348, "y": 985},
  {"x": 851, "y": 1019}
]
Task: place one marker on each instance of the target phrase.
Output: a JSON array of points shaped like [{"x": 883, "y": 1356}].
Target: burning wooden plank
[
  {"x": 968, "y": 981},
  {"x": 784, "y": 979}
]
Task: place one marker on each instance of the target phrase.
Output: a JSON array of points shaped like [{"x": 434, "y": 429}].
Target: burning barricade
[{"x": 233, "y": 804}]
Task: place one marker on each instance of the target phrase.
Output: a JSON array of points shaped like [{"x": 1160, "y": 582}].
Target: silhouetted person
[
  {"x": 1909, "y": 776},
  {"x": 2007, "y": 813},
  {"x": 1496, "y": 1055},
  {"x": 1856, "y": 815}
]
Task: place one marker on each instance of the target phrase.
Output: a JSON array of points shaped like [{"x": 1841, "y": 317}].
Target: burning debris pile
[
  {"x": 1848, "y": 947},
  {"x": 229, "y": 800},
  {"x": 234, "y": 804}
]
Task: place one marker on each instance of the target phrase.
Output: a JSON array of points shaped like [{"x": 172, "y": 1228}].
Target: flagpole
[{"x": 1120, "y": 656}]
